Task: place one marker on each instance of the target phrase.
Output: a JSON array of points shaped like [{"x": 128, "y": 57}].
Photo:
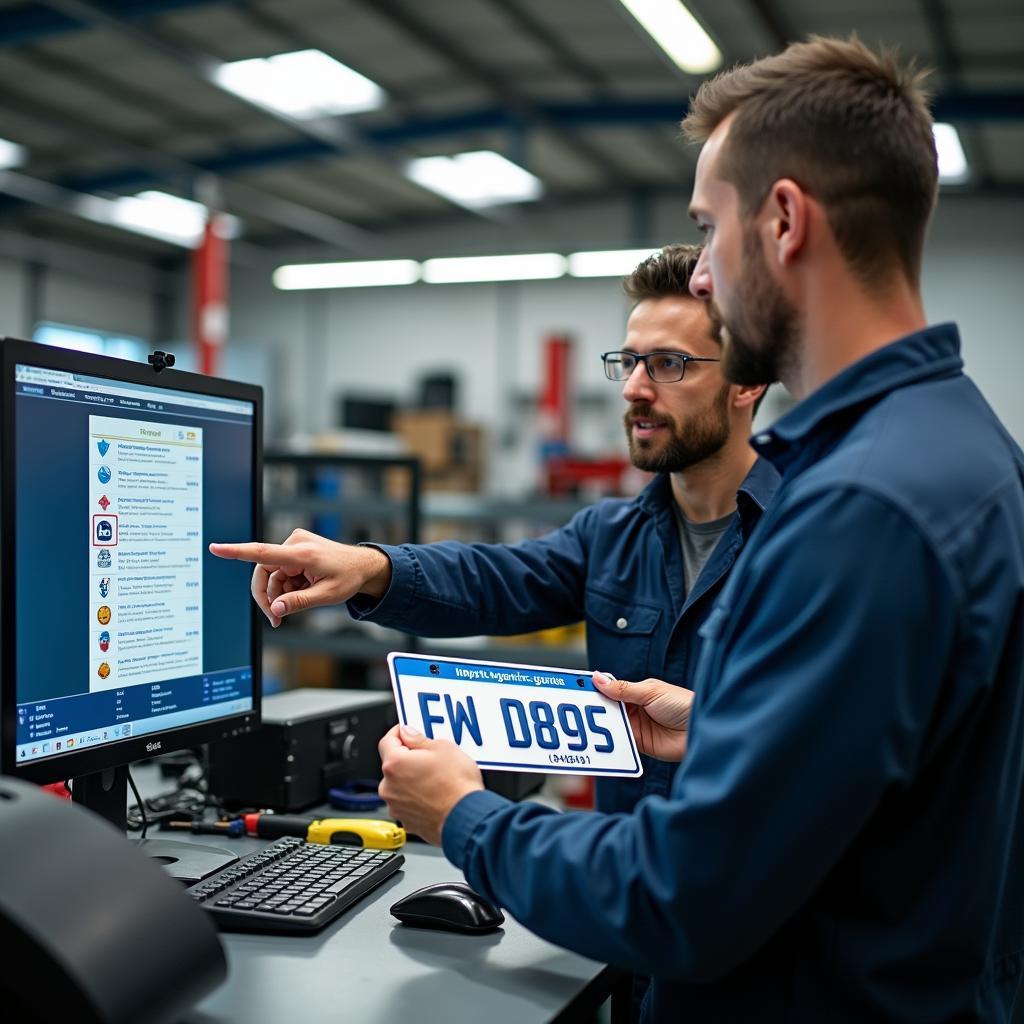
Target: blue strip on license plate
[{"x": 509, "y": 717}]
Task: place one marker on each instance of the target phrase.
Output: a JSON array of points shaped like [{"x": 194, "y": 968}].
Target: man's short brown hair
[
  {"x": 663, "y": 274},
  {"x": 667, "y": 274},
  {"x": 850, "y": 126}
]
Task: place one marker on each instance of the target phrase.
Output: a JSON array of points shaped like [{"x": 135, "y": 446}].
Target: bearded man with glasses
[{"x": 642, "y": 572}]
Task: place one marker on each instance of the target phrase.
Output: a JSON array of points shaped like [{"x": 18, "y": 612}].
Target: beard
[
  {"x": 701, "y": 436},
  {"x": 759, "y": 336}
]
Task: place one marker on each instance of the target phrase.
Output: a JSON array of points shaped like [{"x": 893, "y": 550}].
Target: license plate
[{"x": 522, "y": 718}]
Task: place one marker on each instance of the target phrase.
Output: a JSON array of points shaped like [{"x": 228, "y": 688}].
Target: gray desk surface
[{"x": 367, "y": 968}]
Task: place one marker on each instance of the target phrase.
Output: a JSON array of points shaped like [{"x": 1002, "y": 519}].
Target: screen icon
[
  {"x": 104, "y": 531},
  {"x": 104, "y": 670},
  {"x": 104, "y": 586},
  {"x": 103, "y": 474},
  {"x": 103, "y": 447},
  {"x": 104, "y": 503},
  {"x": 103, "y": 559},
  {"x": 104, "y": 641},
  {"x": 103, "y": 614}
]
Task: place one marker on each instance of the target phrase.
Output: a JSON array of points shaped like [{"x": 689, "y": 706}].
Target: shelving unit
[
  {"x": 346, "y": 645},
  {"x": 354, "y": 498},
  {"x": 347, "y": 498}
]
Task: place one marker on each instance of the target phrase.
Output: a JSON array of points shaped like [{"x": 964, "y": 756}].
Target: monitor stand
[{"x": 106, "y": 794}]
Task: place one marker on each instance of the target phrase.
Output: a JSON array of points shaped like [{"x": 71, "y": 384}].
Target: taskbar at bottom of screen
[{"x": 40, "y": 749}]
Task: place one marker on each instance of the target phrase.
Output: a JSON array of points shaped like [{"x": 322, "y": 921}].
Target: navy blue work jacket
[
  {"x": 844, "y": 840},
  {"x": 616, "y": 564}
]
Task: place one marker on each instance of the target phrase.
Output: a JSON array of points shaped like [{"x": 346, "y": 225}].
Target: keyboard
[{"x": 292, "y": 886}]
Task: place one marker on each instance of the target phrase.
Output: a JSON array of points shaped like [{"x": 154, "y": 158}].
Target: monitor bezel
[{"x": 88, "y": 760}]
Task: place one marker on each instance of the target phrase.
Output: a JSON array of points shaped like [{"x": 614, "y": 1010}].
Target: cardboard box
[
  {"x": 440, "y": 440},
  {"x": 458, "y": 479}
]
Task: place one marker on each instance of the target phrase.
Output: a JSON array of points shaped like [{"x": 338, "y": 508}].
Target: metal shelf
[
  {"x": 439, "y": 507},
  {"x": 366, "y": 648},
  {"x": 467, "y": 508},
  {"x": 474, "y": 508},
  {"x": 357, "y": 508}
]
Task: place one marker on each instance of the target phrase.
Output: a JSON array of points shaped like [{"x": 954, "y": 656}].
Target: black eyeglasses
[{"x": 662, "y": 367}]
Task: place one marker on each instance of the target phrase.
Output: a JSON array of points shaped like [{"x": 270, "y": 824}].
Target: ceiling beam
[
  {"x": 951, "y": 66},
  {"x": 528, "y": 114},
  {"x": 968, "y": 106},
  {"x": 331, "y": 132},
  {"x": 567, "y": 59},
  {"x": 336, "y": 133},
  {"x": 34, "y": 22},
  {"x": 92, "y": 208},
  {"x": 158, "y": 167},
  {"x": 400, "y": 100},
  {"x": 779, "y": 31},
  {"x": 599, "y": 81},
  {"x": 284, "y": 213}
]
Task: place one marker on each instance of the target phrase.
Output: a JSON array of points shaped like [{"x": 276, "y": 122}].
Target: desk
[{"x": 365, "y": 968}]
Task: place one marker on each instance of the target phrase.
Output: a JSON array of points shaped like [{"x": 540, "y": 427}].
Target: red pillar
[
  {"x": 554, "y": 398},
  {"x": 210, "y": 294}
]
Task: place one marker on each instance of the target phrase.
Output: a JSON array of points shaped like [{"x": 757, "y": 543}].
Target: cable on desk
[
  {"x": 188, "y": 800},
  {"x": 139, "y": 802}
]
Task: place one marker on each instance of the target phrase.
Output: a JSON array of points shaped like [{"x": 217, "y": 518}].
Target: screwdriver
[
  {"x": 368, "y": 832},
  {"x": 210, "y": 828}
]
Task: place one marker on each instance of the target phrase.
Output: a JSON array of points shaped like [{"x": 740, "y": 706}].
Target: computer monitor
[{"x": 122, "y": 637}]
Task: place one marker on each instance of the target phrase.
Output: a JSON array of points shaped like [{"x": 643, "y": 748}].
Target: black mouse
[{"x": 451, "y": 906}]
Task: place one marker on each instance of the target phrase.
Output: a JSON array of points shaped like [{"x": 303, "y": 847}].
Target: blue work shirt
[
  {"x": 844, "y": 840},
  {"x": 616, "y": 564}
]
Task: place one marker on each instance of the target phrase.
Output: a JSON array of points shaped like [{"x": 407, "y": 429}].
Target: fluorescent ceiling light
[
  {"x": 11, "y": 154},
  {"x": 156, "y": 215},
  {"x": 478, "y": 179},
  {"x": 304, "y": 84},
  {"x": 368, "y": 274},
  {"x": 678, "y": 33},
  {"x": 464, "y": 269},
  {"x": 953, "y": 168},
  {"x": 170, "y": 218},
  {"x": 607, "y": 262}
]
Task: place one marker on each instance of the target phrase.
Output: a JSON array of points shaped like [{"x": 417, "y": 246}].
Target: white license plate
[{"x": 523, "y": 718}]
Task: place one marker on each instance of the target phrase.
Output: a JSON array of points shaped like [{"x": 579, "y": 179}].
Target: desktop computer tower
[
  {"x": 310, "y": 740},
  {"x": 314, "y": 739}
]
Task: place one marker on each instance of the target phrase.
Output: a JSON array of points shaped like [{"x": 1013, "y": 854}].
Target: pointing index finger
[{"x": 261, "y": 554}]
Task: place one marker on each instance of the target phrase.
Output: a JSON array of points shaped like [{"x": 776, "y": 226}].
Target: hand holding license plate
[{"x": 523, "y": 718}]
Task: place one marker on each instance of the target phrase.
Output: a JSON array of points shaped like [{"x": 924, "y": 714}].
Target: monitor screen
[{"x": 122, "y": 635}]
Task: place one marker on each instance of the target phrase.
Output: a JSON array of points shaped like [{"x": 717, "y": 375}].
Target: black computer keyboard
[{"x": 292, "y": 886}]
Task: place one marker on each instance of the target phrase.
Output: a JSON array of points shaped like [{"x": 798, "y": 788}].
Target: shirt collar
[
  {"x": 754, "y": 494},
  {"x": 928, "y": 354}
]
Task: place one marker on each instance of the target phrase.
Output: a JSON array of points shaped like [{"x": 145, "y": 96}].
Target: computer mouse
[{"x": 451, "y": 906}]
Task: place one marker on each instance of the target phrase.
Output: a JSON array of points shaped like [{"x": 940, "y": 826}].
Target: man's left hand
[{"x": 424, "y": 779}]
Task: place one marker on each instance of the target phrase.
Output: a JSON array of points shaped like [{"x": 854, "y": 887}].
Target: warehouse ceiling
[{"x": 113, "y": 97}]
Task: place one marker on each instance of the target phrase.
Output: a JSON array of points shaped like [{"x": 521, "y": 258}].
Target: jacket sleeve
[
  {"x": 454, "y": 589},
  {"x": 815, "y": 695}
]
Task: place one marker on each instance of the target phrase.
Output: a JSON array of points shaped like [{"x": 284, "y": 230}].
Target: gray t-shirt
[{"x": 698, "y": 540}]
